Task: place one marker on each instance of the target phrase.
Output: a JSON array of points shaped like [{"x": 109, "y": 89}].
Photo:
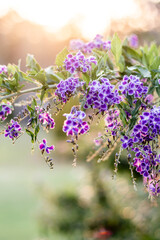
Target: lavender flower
[
  {"x": 101, "y": 95},
  {"x": 133, "y": 41},
  {"x": 78, "y": 62},
  {"x": 43, "y": 147},
  {"x": 112, "y": 122},
  {"x": 5, "y": 110},
  {"x": 45, "y": 119},
  {"x": 96, "y": 43},
  {"x": 74, "y": 125},
  {"x": 132, "y": 86},
  {"x": 13, "y": 130},
  {"x": 3, "y": 69},
  {"x": 67, "y": 88}
]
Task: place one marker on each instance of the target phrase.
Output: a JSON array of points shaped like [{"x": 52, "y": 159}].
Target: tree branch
[{"x": 27, "y": 91}]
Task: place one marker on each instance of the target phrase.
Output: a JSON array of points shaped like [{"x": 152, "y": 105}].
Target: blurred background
[{"x": 67, "y": 203}]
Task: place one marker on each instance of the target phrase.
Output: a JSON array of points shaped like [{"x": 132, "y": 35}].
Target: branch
[{"x": 27, "y": 91}]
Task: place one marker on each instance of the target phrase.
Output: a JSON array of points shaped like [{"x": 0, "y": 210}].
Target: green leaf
[
  {"x": 51, "y": 76},
  {"x": 155, "y": 64},
  {"x": 40, "y": 77},
  {"x": 42, "y": 95},
  {"x": 36, "y": 132},
  {"x": 32, "y": 63},
  {"x": 86, "y": 78},
  {"x": 142, "y": 70},
  {"x": 133, "y": 120},
  {"x": 116, "y": 47},
  {"x": 158, "y": 91},
  {"x": 31, "y": 134},
  {"x": 132, "y": 53},
  {"x": 61, "y": 57}
]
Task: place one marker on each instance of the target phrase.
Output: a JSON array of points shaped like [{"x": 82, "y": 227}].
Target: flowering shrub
[{"x": 116, "y": 80}]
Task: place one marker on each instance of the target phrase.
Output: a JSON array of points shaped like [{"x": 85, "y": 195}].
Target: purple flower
[
  {"x": 101, "y": 95},
  {"x": 5, "y": 110},
  {"x": 74, "y": 125},
  {"x": 3, "y": 69},
  {"x": 96, "y": 43},
  {"x": 43, "y": 146},
  {"x": 133, "y": 41},
  {"x": 78, "y": 62},
  {"x": 67, "y": 88},
  {"x": 132, "y": 86},
  {"x": 13, "y": 130},
  {"x": 45, "y": 119}
]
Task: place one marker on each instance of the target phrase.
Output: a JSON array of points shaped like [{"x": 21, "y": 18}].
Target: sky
[{"x": 91, "y": 16}]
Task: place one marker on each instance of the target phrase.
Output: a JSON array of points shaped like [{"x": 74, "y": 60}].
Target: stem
[{"x": 27, "y": 91}]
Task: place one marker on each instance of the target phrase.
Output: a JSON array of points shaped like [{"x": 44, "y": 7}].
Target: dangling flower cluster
[
  {"x": 132, "y": 86},
  {"x": 98, "y": 141},
  {"x": 146, "y": 158},
  {"x": 67, "y": 88},
  {"x": 78, "y": 62},
  {"x": 152, "y": 184},
  {"x": 3, "y": 69},
  {"x": 101, "y": 95},
  {"x": 46, "y": 120},
  {"x": 97, "y": 43},
  {"x": 148, "y": 127},
  {"x": 5, "y": 110},
  {"x": 74, "y": 125},
  {"x": 112, "y": 122},
  {"x": 43, "y": 147},
  {"x": 13, "y": 130},
  {"x": 133, "y": 40}
]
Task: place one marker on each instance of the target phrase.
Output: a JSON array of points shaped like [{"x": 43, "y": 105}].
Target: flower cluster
[
  {"x": 79, "y": 62},
  {"x": 13, "y": 130},
  {"x": 3, "y": 69},
  {"x": 101, "y": 95},
  {"x": 112, "y": 122},
  {"x": 146, "y": 159},
  {"x": 67, "y": 88},
  {"x": 45, "y": 119},
  {"x": 97, "y": 43},
  {"x": 43, "y": 147},
  {"x": 5, "y": 110},
  {"x": 98, "y": 141},
  {"x": 74, "y": 125},
  {"x": 152, "y": 184},
  {"x": 133, "y": 40},
  {"x": 132, "y": 86},
  {"x": 148, "y": 126}
]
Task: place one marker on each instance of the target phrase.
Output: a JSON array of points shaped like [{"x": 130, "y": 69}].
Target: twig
[{"x": 27, "y": 91}]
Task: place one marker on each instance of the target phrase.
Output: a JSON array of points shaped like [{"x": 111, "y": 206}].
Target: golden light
[{"x": 92, "y": 16}]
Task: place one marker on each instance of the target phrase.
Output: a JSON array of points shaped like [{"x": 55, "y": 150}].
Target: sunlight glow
[{"x": 92, "y": 16}]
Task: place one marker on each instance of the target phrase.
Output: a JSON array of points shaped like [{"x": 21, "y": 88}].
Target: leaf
[
  {"x": 40, "y": 77},
  {"x": 158, "y": 91},
  {"x": 86, "y": 78},
  {"x": 31, "y": 134},
  {"x": 133, "y": 120},
  {"x": 155, "y": 64},
  {"x": 61, "y": 57},
  {"x": 132, "y": 53},
  {"x": 32, "y": 63},
  {"x": 51, "y": 76},
  {"x": 36, "y": 131},
  {"x": 142, "y": 70},
  {"x": 42, "y": 95},
  {"x": 116, "y": 47}
]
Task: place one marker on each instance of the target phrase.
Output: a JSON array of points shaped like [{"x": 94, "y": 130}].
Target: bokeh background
[{"x": 67, "y": 203}]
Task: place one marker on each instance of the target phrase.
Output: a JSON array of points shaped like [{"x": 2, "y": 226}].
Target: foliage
[{"x": 117, "y": 81}]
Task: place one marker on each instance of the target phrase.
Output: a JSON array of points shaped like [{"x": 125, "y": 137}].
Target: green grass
[{"x": 22, "y": 175}]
